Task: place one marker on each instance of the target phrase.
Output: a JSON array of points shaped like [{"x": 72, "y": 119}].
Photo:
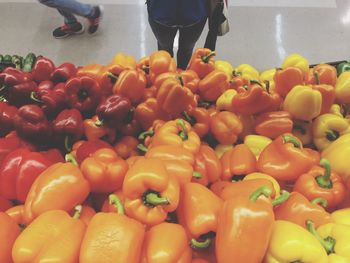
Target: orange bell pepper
[
  {"x": 177, "y": 132},
  {"x": 199, "y": 120},
  {"x": 245, "y": 220},
  {"x": 191, "y": 79},
  {"x": 86, "y": 213},
  {"x": 112, "y": 237},
  {"x": 144, "y": 65},
  {"x": 170, "y": 153},
  {"x": 173, "y": 97},
  {"x": 131, "y": 84},
  {"x": 150, "y": 92},
  {"x": 126, "y": 147},
  {"x": 197, "y": 212},
  {"x": 237, "y": 162},
  {"x": 46, "y": 191},
  {"x": 213, "y": 85},
  {"x": 202, "y": 62},
  {"x": 166, "y": 242},
  {"x": 208, "y": 165},
  {"x": 225, "y": 126},
  {"x": 286, "y": 79},
  {"x": 323, "y": 74},
  {"x": 273, "y": 124},
  {"x": 276, "y": 185},
  {"x": 327, "y": 92},
  {"x": 160, "y": 62},
  {"x": 179, "y": 169},
  {"x": 9, "y": 231},
  {"x": 297, "y": 209},
  {"x": 17, "y": 214},
  {"x": 255, "y": 99},
  {"x": 104, "y": 170},
  {"x": 320, "y": 181},
  {"x": 150, "y": 191},
  {"x": 95, "y": 130},
  {"x": 52, "y": 236},
  {"x": 285, "y": 159},
  {"x": 219, "y": 186}
]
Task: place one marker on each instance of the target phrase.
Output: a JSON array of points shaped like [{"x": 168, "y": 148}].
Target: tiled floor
[{"x": 262, "y": 33}]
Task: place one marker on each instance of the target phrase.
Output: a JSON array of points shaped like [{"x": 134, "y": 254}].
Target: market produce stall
[{"x": 137, "y": 161}]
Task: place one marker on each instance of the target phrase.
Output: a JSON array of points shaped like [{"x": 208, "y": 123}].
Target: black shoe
[
  {"x": 66, "y": 30},
  {"x": 94, "y": 21}
]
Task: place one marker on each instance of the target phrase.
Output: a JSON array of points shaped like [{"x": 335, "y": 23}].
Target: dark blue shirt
[{"x": 177, "y": 12}]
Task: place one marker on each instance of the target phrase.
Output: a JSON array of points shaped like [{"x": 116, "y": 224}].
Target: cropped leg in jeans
[
  {"x": 69, "y": 7},
  {"x": 165, "y": 36},
  {"x": 187, "y": 40}
]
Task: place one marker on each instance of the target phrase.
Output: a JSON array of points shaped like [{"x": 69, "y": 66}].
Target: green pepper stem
[
  {"x": 281, "y": 199},
  {"x": 146, "y": 69},
  {"x": 317, "y": 79},
  {"x": 179, "y": 78},
  {"x": 320, "y": 201},
  {"x": 34, "y": 98},
  {"x": 332, "y": 135},
  {"x": 115, "y": 200},
  {"x": 113, "y": 77},
  {"x": 3, "y": 87},
  {"x": 71, "y": 159},
  {"x": 267, "y": 86},
  {"x": 263, "y": 190},
  {"x": 2, "y": 98},
  {"x": 67, "y": 143},
  {"x": 77, "y": 211},
  {"x": 154, "y": 199},
  {"x": 206, "y": 58},
  {"x": 200, "y": 244},
  {"x": 141, "y": 147},
  {"x": 145, "y": 134},
  {"x": 183, "y": 133},
  {"x": 324, "y": 180},
  {"x": 291, "y": 139},
  {"x": 328, "y": 243},
  {"x": 188, "y": 118},
  {"x": 99, "y": 123},
  {"x": 197, "y": 175}
]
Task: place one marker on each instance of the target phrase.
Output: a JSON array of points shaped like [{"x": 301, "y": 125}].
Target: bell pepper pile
[{"x": 140, "y": 162}]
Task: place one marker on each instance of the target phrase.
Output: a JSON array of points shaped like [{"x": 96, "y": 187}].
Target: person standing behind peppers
[
  {"x": 69, "y": 8},
  {"x": 166, "y": 17}
]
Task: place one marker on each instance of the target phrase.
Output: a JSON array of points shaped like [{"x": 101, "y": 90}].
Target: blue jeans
[
  {"x": 67, "y": 8},
  {"x": 188, "y": 36}
]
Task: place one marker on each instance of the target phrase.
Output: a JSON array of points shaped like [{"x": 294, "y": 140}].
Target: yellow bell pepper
[
  {"x": 220, "y": 149},
  {"x": 341, "y": 216},
  {"x": 256, "y": 143},
  {"x": 337, "y": 110},
  {"x": 292, "y": 243},
  {"x": 303, "y": 102},
  {"x": 342, "y": 88},
  {"x": 326, "y": 128},
  {"x": 337, "y": 153},
  {"x": 303, "y": 131},
  {"x": 268, "y": 75},
  {"x": 248, "y": 72},
  {"x": 257, "y": 175},
  {"x": 298, "y": 61},
  {"x": 335, "y": 238},
  {"x": 224, "y": 102},
  {"x": 225, "y": 66},
  {"x": 124, "y": 60}
]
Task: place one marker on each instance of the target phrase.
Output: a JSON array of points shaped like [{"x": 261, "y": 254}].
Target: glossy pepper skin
[
  {"x": 225, "y": 126},
  {"x": 320, "y": 181},
  {"x": 87, "y": 148},
  {"x": 241, "y": 221},
  {"x": 273, "y": 124},
  {"x": 166, "y": 242},
  {"x": 9, "y": 232},
  {"x": 53, "y": 236},
  {"x": 42, "y": 69},
  {"x": 131, "y": 84},
  {"x": 63, "y": 72},
  {"x": 160, "y": 62},
  {"x": 83, "y": 93},
  {"x": 104, "y": 170},
  {"x": 198, "y": 213},
  {"x": 297, "y": 209},
  {"x": 151, "y": 193},
  {"x": 237, "y": 162},
  {"x": 112, "y": 237},
  {"x": 285, "y": 159},
  {"x": 113, "y": 110},
  {"x": 44, "y": 193},
  {"x": 287, "y": 79},
  {"x": 224, "y": 102},
  {"x": 31, "y": 123},
  {"x": 199, "y": 120},
  {"x": 126, "y": 147},
  {"x": 342, "y": 88},
  {"x": 202, "y": 62},
  {"x": 298, "y": 61},
  {"x": 256, "y": 143},
  {"x": 68, "y": 125},
  {"x": 7, "y": 114},
  {"x": 213, "y": 85},
  {"x": 94, "y": 129},
  {"x": 170, "y": 153},
  {"x": 292, "y": 243},
  {"x": 323, "y": 74},
  {"x": 18, "y": 171}
]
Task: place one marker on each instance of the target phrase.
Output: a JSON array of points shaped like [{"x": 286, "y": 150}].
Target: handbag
[
  {"x": 218, "y": 16},
  {"x": 224, "y": 27}
]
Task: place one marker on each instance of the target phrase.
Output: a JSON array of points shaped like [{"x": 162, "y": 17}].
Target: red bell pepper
[
  {"x": 326, "y": 74},
  {"x": 18, "y": 171},
  {"x": 8, "y": 145},
  {"x": 273, "y": 124},
  {"x": 328, "y": 93},
  {"x": 287, "y": 79},
  {"x": 83, "y": 93},
  {"x": 42, "y": 69},
  {"x": 63, "y": 72},
  {"x": 5, "y": 204},
  {"x": 88, "y": 148},
  {"x": 7, "y": 114}
]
